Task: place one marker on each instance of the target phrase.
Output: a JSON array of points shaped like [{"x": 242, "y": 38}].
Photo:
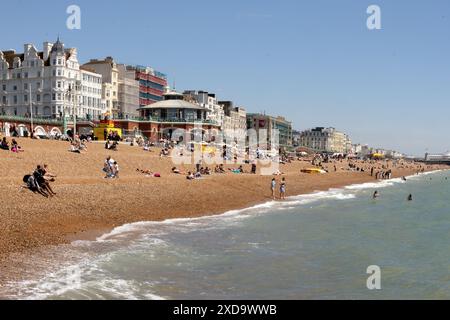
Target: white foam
[{"x": 58, "y": 284}]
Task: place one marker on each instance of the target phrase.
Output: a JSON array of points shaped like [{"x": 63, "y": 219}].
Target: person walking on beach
[
  {"x": 283, "y": 189},
  {"x": 273, "y": 185}
]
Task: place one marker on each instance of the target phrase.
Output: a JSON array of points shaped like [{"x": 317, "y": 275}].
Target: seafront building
[
  {"x": 51, "y": 81},
  {"x": 326, "y": 140},
  {"x": 234, "y": 124},
  {"x": 296, "y": 138},
  {"x": 128, "y": 93},
  {"x": 160, "y": 120},
  {"x": 258, "y": 121},
  {"x": 65, "y": 95},
  {"x": 215, "y": 111},
  {"x": 110, "y": 86},
  {"x": 152, "y": 84},
  {"x": 126, "y": 88}
]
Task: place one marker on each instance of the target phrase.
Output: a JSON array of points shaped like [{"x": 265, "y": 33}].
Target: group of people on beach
[
  {"x": 111, "y": 135},
  {"x": 381, "y": 175},
  {"x": 78, "y": 145},
  {"x": 111, "y": 168},
  {"x": 39, "y": 181},
  {"x": 282, "y": 188},
  {"x": 4, "y": 145}
]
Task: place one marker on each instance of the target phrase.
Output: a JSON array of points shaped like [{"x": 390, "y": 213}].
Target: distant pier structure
[{"x": 438, "y": 158}]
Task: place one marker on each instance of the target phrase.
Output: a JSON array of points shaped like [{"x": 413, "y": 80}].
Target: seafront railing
[
  {"x": 36, "y": 120},
  {"x": 60, "y": 121}
]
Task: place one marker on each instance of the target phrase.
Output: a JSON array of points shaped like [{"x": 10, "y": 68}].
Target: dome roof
[
  {"x": 58, "y": 46},
  {"x": 174, "y": 104}
]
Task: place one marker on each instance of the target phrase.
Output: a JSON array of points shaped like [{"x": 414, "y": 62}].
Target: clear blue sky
[{"x": 313, "y": 61}]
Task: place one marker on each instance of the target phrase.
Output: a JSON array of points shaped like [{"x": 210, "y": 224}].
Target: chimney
[{"x": 47, "y": 48}]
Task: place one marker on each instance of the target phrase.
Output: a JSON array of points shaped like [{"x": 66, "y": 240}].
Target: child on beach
[
  {"x": 116, "y": 170},
  {"x": 283, "y": 189},
  {"x": 15, "y": 146},
  {"x": 273, "y": 185},
  {"x": 108, "y": 167}
]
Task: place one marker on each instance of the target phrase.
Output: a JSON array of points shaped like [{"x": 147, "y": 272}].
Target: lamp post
[
  {"x": 31, "y": 114},
  {"x": 72, "y": 93}
]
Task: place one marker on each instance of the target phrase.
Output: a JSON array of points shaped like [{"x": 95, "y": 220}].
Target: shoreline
[
  {"x": 96, "y": 235},
  {"x": 101, "y": 235},
  {"x": 88, "y": 206}
]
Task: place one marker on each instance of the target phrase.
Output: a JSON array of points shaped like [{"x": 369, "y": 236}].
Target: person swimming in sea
[
  {"x": 376, "y": 195},
  {"x": 410, "y": 197}
]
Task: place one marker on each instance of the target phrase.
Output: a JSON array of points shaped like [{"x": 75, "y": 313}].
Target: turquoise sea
[{"x": 315, "y": 246}]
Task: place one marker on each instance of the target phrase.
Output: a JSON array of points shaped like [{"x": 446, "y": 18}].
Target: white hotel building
[{"x": 51, "y": 81}]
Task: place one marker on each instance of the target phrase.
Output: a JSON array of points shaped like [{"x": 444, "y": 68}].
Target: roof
[{"x": 174, "y": 104}]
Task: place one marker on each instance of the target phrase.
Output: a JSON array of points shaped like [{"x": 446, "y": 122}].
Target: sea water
[{"x": 315, "y": 246}]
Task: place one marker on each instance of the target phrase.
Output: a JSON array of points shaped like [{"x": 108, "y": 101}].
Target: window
[
  {"x": 4, "y": 87},
  {"x": 39, "y": 74},
  {"x": 53, "y": 96},
  {"x": 15, "y": 99},
  {"x": 25, "y": 98},
  {"x": 38, "y": 85},
  {"x": 25, "y": 75},
  {"x": 38, "y": 97},
  {"x": 15, "y": 88},
  {"x": 54, "y": 61},
  {"x": 25, "y": 86}
]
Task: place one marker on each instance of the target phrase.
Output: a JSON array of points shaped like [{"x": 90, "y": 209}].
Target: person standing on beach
[
  {"x": 283, "y": 189},
  {"x": 273, "y": 185}
]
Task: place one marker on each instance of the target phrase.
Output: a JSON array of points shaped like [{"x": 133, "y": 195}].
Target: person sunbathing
[
  {"x": 4, "y": 144},
  {"x": 164, "y": 153},
  {"x": 176, "y": 170},
  {"x": 33, "y": 186},
  {"x": 15, "y": 146},
  {"x": 190, "y": 176},
  {"x": 38, "y": 174},
  {"x": 238, "y": 170},
  {"x": 149, "y": 173},
  {"x": 48, "y": 175}
]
